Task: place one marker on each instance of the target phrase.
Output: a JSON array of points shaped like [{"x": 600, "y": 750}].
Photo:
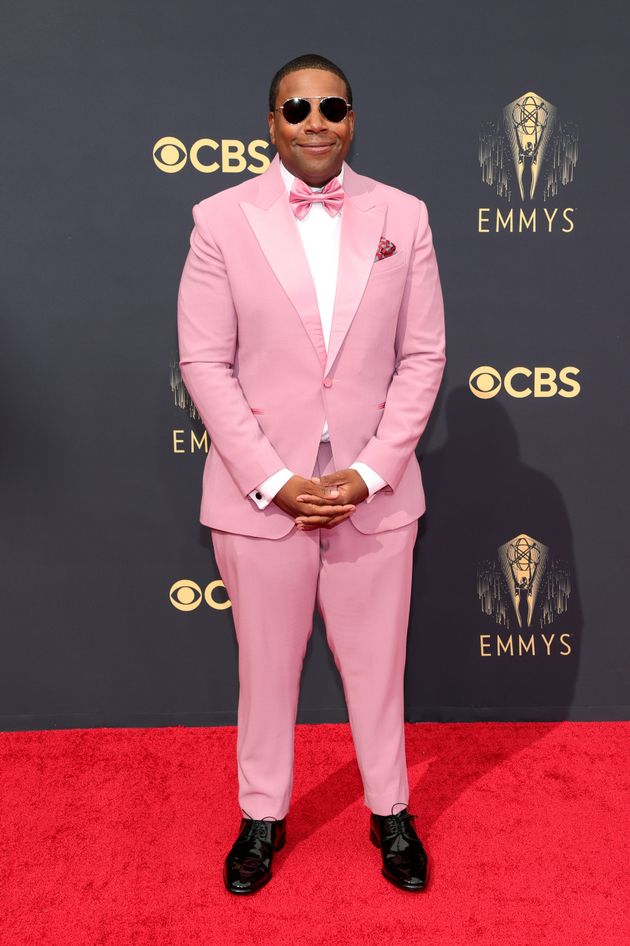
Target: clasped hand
[{"x": 322, "y": 502}]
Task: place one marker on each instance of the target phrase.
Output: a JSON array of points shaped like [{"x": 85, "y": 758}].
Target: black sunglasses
[{"x": 332, "y": 107}]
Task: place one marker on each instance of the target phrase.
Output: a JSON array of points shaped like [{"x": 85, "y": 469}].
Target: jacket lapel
[
  {"x": 275, "y": 228},
  {"x": 362, "y": 221}
]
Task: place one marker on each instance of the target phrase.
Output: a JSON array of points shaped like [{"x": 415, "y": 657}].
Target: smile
[{"x": 318, "y": 149}]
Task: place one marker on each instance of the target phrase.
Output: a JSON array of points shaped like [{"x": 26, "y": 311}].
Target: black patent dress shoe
[
  {"x": 247, "y": 867},
  {"x": 405, "y": 861}
]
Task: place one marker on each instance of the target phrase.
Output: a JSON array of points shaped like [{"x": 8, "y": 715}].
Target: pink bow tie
[{"x": 301, "y": 197}]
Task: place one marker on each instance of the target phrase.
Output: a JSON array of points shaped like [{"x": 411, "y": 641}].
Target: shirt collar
[{"x": 288, "y": 178}]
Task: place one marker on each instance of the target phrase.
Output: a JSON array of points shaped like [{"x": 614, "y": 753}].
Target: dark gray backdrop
[{"x": 100, "y": 513}]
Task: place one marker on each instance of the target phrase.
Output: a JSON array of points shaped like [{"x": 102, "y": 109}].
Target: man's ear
[{"x": 271, "y": 121}]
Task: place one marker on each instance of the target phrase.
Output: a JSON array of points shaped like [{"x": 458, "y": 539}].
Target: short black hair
[{"x": 307, "y": 61}]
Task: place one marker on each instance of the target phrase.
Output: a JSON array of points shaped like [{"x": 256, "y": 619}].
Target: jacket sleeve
[
  {"x": 207, "y": 332},
  {"x": 420, "y": 360}
]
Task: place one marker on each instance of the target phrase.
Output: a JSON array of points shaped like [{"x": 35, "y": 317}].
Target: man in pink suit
[{"x": 311, "y": 339}]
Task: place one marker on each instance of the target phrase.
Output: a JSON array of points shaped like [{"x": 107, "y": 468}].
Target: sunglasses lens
[
  {"x": 333, "y": 109},
  {"x": 296, "y": 110}
]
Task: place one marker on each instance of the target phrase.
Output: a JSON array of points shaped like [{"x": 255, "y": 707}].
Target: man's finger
[
  {"x": 329, "y": 479},
  {"x": 314, "y": 498},
  {"x": 326, "y": 511},
  {"x": 314, "y": 522},
  {"x": 328, "y": 488}
]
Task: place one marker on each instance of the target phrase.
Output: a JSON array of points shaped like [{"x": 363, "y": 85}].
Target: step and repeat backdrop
[{"x": 511, "y": 125}]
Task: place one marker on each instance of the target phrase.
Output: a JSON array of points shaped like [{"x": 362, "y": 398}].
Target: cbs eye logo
[
  {"x": 186, "y": 595},
  {"x": 486, "y": 382},
  {"x": 206, "y": 155}
]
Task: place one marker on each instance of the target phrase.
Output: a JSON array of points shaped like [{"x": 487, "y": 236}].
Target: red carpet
[{"x": 116, "y": 837}]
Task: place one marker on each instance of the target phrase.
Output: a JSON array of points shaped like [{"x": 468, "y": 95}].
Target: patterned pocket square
[{"x": 385, "y": 248}]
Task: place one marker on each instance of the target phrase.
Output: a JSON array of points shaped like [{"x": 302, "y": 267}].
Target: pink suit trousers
[{"x": 274, "y": 586}]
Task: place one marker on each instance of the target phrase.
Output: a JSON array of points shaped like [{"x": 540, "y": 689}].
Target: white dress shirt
[{"x": 320, "y": 236}]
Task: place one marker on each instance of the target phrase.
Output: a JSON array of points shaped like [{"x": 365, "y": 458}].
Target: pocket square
[{"x": 385, "y": 248}]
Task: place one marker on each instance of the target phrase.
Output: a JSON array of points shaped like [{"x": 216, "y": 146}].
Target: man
[{"x": 311, "y": 339}]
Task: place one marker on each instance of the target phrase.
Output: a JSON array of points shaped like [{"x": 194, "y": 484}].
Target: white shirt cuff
[
  {"x": 372, "y": 480},
  {"x": 269, "y": 487}
]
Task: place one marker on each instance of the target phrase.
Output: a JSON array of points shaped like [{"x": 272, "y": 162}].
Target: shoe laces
[
  {"x": 398, "y": 824},
  {"x": 259, "y": 828}
]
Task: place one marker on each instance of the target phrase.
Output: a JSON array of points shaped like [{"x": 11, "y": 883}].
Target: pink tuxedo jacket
[{"x": 254, "y": 361}]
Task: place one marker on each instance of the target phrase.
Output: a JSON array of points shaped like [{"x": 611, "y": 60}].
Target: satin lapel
[
  {"x": 361, "y": 228},
  {"x": 276, "y": 231}
]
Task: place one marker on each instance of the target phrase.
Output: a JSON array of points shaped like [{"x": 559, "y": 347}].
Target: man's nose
[{"x": 314, "y": 121}]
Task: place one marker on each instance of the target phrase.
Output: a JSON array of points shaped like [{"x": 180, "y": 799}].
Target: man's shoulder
[
  {"x": 393, "y": 195},
  {"x": 230, "y": 196}
]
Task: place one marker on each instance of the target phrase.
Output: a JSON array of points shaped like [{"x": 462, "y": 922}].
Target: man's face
[{"x": 314, "y": 149}]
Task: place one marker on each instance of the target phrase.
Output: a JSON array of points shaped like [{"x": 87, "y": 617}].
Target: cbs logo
[
  {"x": 206, "y": 155},
  {"x": 486, "y": 382},
  {"x": 186, "y": 595}
]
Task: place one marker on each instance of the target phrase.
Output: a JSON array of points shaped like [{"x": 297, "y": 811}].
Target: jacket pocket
[{"x": 388, "y": 264}]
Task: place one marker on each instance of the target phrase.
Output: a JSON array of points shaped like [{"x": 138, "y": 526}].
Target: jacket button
[
  {"x": 327, "y": 383},
  {"x": 258, "y": 495}
]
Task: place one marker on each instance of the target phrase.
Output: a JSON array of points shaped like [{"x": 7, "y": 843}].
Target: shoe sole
[
  {"x": 246, "y": 893},
  {"x": 262, "y": 883},
  {"x": 393, "y": 880}
]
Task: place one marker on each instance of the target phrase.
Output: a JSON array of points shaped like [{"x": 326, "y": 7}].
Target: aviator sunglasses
[{"x": 332, "y": 107}]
